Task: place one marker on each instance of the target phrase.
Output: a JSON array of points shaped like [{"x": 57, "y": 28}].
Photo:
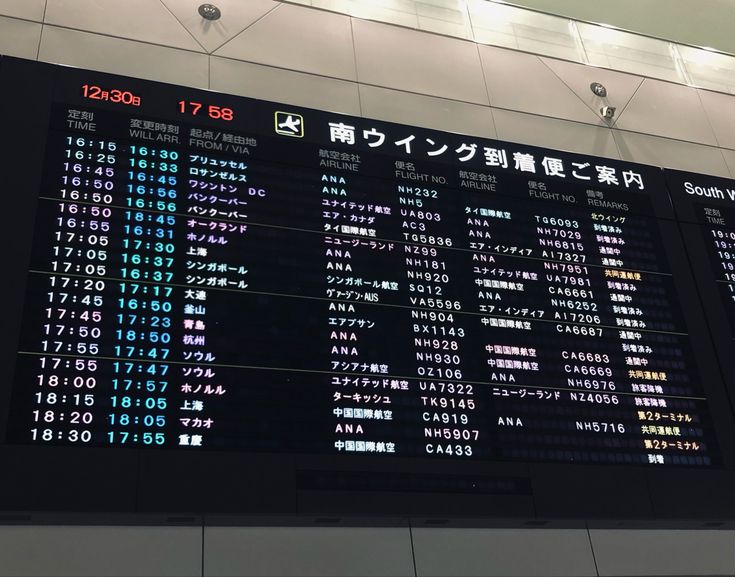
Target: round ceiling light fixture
[
  {"x": 209, "y": 12},
  {"x": 598, "y": 89}
]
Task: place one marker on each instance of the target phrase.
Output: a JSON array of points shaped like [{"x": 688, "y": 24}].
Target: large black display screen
[
  {"x": 705, "y": 207},
  {"x": 203, "y": 272}
]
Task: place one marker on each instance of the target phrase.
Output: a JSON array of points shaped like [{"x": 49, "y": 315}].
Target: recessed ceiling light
[{"x": 209, "y": 12}]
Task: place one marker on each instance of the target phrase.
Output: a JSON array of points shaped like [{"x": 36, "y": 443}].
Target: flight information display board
[
  {"x": 705, "y": 207},
  {"x": 213, "y": 272}
]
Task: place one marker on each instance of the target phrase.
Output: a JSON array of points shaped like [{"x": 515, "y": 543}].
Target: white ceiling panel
[
  {"x": 236, "y": 17},
  {"x": 142, "y": 20}
]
